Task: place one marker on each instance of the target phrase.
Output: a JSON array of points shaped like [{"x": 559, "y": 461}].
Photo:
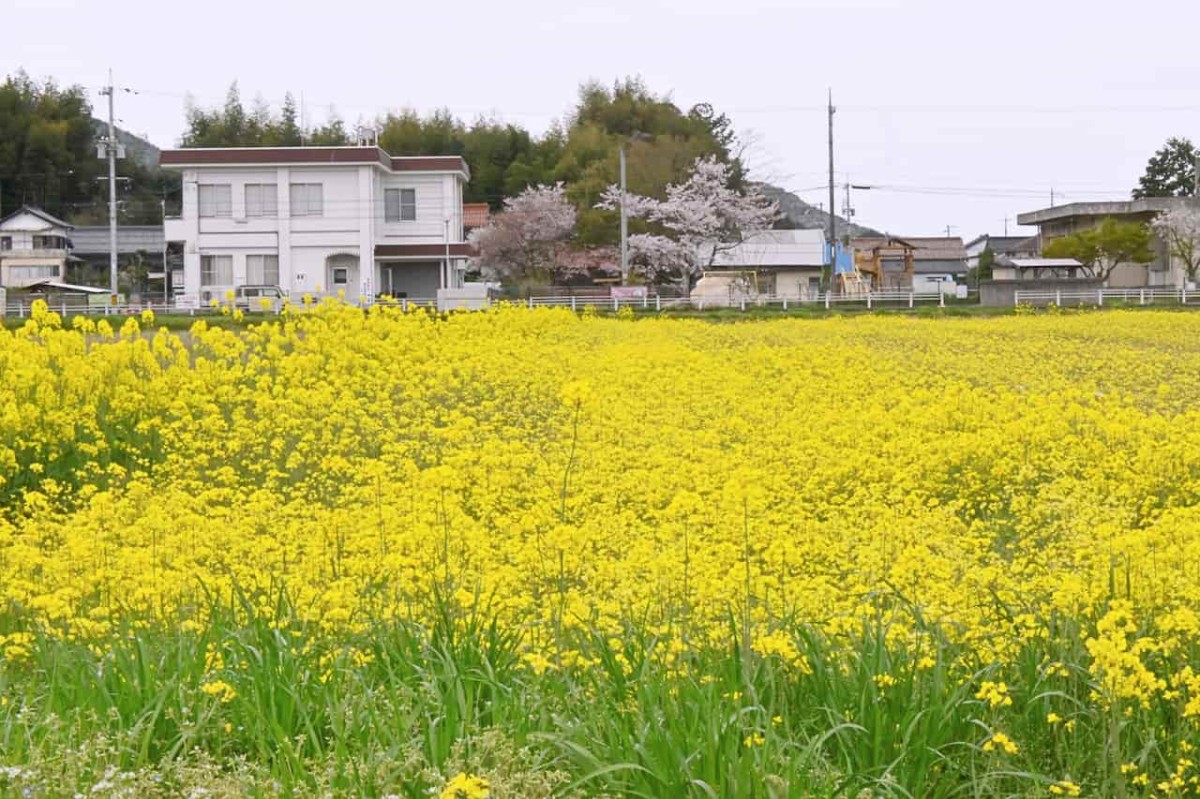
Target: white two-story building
[
  {"x": 319, "y": 220},
  {"x": 34, "y": 247}
]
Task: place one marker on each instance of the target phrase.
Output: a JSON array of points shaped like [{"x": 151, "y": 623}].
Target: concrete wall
[{"x": 1003, "y": 292}]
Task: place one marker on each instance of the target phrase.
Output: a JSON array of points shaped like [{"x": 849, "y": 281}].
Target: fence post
[
  {"x": 658, "y": 302},
  {"x": 645, "y": 301},
  {"x": 742, "y": 304},
  {"x": 868, "y": 300},
  {"x": 1142, "y": 297},
  {"x": 404, "y": 304},
  {"x": 1183, "y": 296},
  {"x": 1016, "y": 297},
  {"x": 827, "y": 293},
  {"x": 531, "y": 302},
  {"x": 1100, "y": 296},
  {"x": 1058, "y": 297},
  {"x": 910, "y": 299},
  {"x": 941, "y": 299},
  {"x": 616, "y": 302},
  {"x": 572, "y": 302},
  {"x": 785, "y": 303}
]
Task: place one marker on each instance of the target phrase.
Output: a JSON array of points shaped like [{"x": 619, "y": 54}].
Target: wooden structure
[{"x": 885, "y": 261}]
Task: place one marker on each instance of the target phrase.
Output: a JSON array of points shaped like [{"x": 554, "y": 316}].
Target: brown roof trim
[
  {"x": 216, "y": 156},
  {"x": 422, "y": 250},
  {"x": 239, "y": 156},
  {"x": 429, "y": 163}
]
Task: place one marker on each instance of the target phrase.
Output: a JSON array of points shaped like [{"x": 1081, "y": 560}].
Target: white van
[{"x": 254, "y": 298}]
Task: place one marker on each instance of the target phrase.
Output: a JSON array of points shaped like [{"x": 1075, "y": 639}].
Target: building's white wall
[
  {"x": 434, "y": 198},
  {"x": 924, "y": 284},
  {"x": 352, "y": 222},
  {"x": 795, "y": 283},
  {"x": 23, "y": 227}
]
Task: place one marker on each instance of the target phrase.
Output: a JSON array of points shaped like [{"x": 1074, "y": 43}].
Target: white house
[
  {"x": 781, "y": 263},
  {"x": 319, "y": 220},
  {"x": 34, "y": 246}
]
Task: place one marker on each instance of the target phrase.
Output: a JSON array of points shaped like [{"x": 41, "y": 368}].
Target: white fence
[
  {"x": 1148, "y": 296},
  {"x": 828, "y": 300},
  {"x": 890, "y": 299}
]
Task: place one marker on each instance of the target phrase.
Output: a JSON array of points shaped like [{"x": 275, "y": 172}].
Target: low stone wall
[{"x": 1003, "y": 292}]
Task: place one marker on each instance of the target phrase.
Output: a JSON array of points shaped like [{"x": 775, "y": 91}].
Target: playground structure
[
  {"x": 884, "y": 263},
  {"x": 846, "y": 277}
]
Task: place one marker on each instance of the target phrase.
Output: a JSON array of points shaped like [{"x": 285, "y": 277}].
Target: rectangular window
[
  {"x": 49, "y": 243},
  {"x": 5, "y": 242},
  {"x": 36, "y": 272},
  {"x": 216, "y": 270},
  {"x": 341, "y": 276},
  {"x": 216, "y": 200},
  {"x": 262, "y": 199},
  {"x": 262, "y": 270},
  {"x": 400, "y": 205},
  {"x": 308, "y": 199}
]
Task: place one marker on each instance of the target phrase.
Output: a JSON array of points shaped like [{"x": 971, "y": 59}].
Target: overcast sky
[{"x": 960, "y": 113}]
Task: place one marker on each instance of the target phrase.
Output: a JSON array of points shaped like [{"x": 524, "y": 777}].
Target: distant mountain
[
  {"x": 808, "y": 217},
  {"x": 137, "y": 148}
]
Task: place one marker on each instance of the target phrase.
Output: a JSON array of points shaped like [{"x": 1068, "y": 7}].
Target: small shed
[
  {"x": 1040, "y": 269},
  {"x": 63, "y": 295}
]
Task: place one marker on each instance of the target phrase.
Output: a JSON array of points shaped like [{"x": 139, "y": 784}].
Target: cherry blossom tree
[
  {"x": 699, "y": 219},
  {"x": 527, "y": 238},
  {"x": 1180, "y": 228}
]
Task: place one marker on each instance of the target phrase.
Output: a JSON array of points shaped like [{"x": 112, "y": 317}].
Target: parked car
[{"x": 256, "y": 298}]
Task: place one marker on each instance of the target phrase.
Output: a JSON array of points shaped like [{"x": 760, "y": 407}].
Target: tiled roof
[{"x": 926, "y": 248}]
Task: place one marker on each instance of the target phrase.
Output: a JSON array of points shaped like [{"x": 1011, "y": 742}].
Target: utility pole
[
  {"x": 1196, "y": 187},
  {"x": 165, "y": 268},
  {"x": 832, "y": 198},
  {"x": 110, "y": 148},
  {"x": 1051, "y": 196},
  {"x": 624, "y": 223}
]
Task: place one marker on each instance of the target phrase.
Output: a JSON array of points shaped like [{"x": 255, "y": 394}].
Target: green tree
[
  {"x": 287, "y": 130},
  {"x": 1103, "y": 247},
  {"x": 983, "y": 270},
  {"x": 47, "y": 146},
  {"x": 1171, "y": 171}
]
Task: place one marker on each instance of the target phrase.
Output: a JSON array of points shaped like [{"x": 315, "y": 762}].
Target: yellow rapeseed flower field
[{"x": 1010, "y": 485}]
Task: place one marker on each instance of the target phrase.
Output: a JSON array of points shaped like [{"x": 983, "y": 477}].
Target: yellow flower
[
  {"x": 466, "y": 786},
  {"x": 994, "y": 693},
  {"x": 221, "y": 690},
  {"x": 1064, "y": 788},
  {"x": 1001, "y": 742},
  {"x": 754, "y": 739},
  {"x": 1053, "y": 718}
]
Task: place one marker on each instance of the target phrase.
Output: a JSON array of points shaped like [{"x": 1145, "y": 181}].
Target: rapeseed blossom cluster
[{"x": 1021, "y": 482}]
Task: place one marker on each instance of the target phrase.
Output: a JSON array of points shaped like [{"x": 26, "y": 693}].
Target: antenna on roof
[{"x": 366, "y": 137}]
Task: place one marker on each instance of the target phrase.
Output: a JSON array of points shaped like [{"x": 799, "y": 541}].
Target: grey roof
[
  {"x": 775, "y": 248},
  {"x": 925, "y": 248},
  {"x": 1002, "y": 245},
  {"x": 1148, "y": 205},
  {"x": 40, "y": 214},
  {"x": 69, "y": 287},
  {"x": 130, "y": 239}
]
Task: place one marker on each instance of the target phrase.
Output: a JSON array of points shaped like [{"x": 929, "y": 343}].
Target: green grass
[
  {"x": 952, "y": 309},
  {"x": 399, "y": 708}
]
